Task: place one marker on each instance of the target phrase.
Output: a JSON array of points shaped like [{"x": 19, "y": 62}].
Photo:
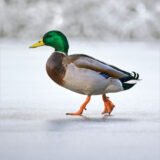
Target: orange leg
[
  {"x": 83, "y": 106},
  {"x": 108, "y": 105}
]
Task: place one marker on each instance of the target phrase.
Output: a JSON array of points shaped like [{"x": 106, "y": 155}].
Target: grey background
[{"x": 92, "y": 19}]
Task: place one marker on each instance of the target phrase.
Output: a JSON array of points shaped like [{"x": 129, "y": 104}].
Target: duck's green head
[{"x": 55, "y": 39}]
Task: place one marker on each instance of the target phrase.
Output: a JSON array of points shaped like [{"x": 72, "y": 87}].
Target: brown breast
[{"x": 55, "y": 67}]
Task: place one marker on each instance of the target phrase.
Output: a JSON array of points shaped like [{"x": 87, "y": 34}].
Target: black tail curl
[
  {"x": 128, "y": 85},
  {"x": 135, "y": 76}
]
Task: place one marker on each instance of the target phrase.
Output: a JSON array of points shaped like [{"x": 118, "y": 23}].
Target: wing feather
[{"x": 84, "y": 61}]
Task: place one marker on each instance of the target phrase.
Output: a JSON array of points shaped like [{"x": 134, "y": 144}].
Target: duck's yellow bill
[{"x": 38, "y": 44}]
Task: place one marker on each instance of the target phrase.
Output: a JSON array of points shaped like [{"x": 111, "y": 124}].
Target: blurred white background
[{"x": 98, "y": 19}]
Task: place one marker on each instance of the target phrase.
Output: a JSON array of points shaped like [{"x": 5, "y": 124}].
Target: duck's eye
[{"x": 48, "y": 36}]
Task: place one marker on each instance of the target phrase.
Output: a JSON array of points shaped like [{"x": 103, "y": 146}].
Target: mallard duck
[{"x": 82, "y": 73}]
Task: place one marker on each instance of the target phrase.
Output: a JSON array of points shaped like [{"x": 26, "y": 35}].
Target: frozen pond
[{"x": 33, "y": 124}]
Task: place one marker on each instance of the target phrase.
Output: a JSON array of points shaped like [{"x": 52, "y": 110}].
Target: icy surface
[{"x": 33, "y": 124}]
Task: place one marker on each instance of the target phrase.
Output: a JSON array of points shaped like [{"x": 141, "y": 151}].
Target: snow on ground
[{"x": 33, "y": 124}]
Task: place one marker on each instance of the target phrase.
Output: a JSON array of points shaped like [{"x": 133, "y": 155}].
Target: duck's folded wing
[{"x": 83, "y": 61}]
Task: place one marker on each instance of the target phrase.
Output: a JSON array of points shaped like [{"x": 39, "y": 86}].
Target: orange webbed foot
[
  {"x": 75, "y": 113},
  {"x": 108, "y": 105},
  {"x": 83, "y": 107}
]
